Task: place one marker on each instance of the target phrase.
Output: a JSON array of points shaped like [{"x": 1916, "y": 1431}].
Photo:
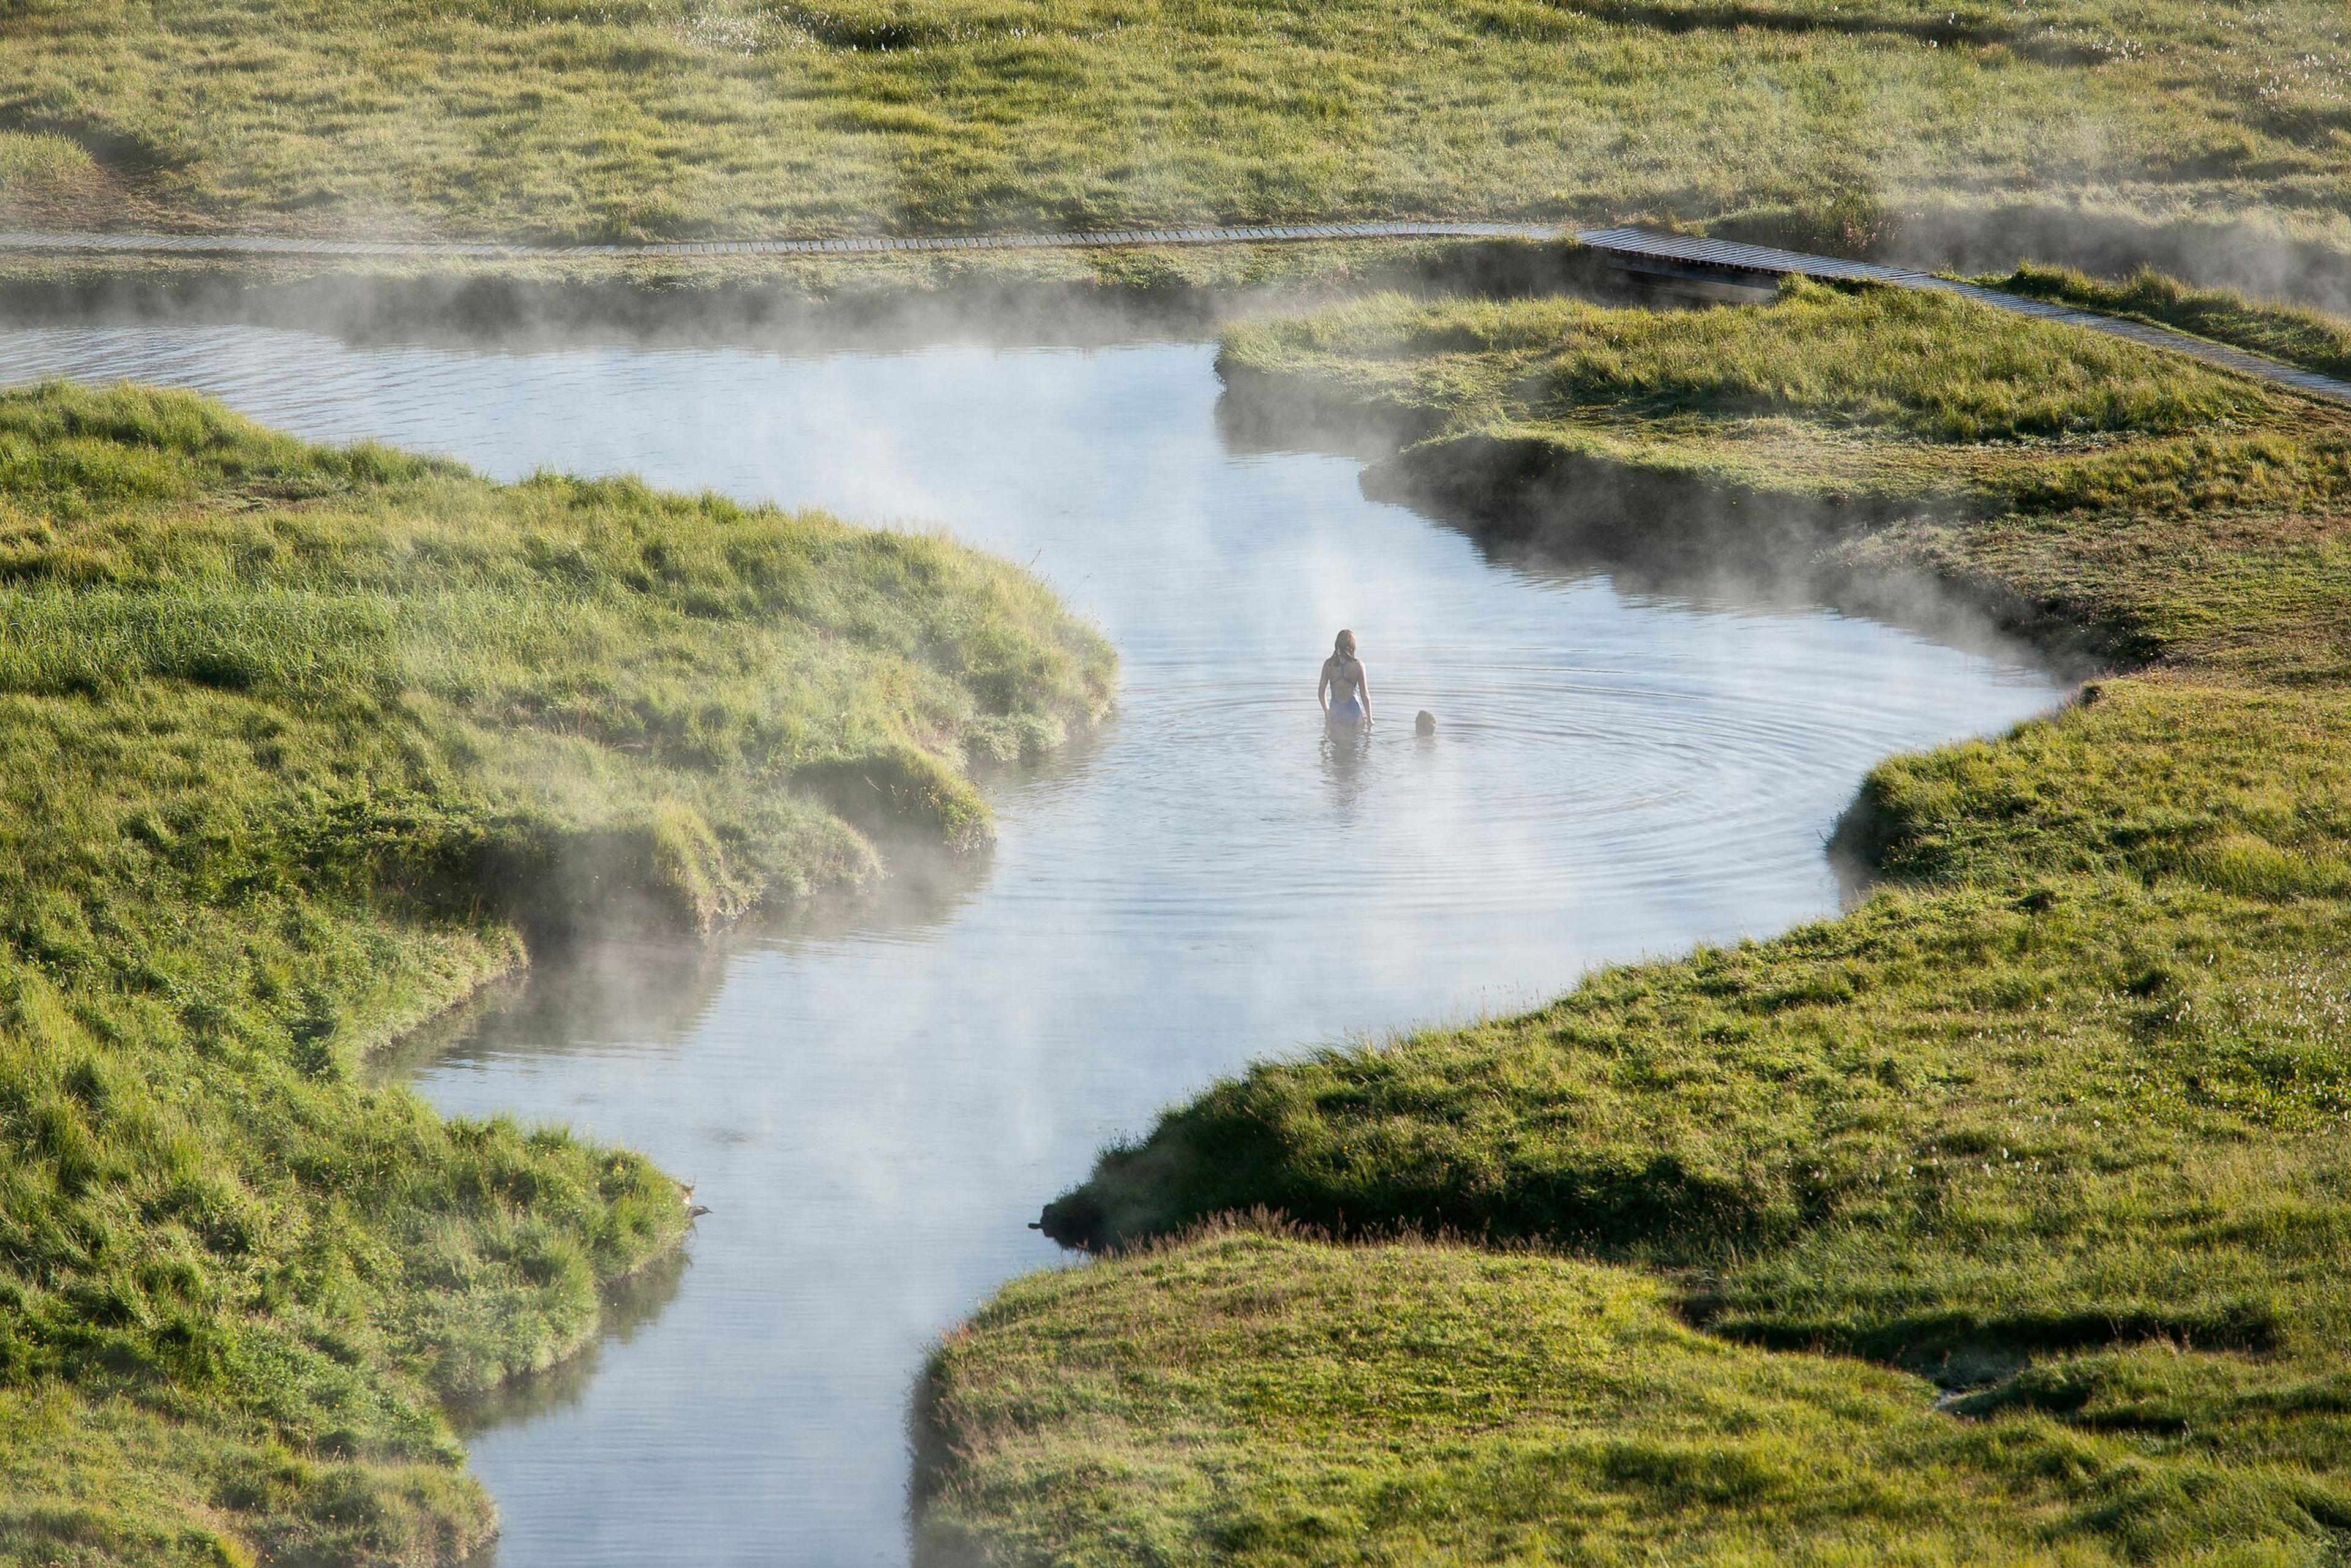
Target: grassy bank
[
  {"x": 2310, "y": 339},
  {"x": 298, "y": 746},
  {"x": 2059, "y": 1121},
  {"x": 1079, "y": 297},
  {"x": 1893, "y": 397},
  {"x": 681, "y": 118}
]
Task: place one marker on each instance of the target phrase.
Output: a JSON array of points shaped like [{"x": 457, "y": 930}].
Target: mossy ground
[
  {"x": 623, "y": 119},
  {"x": 2058, "y": 1120},
  {"x": 296, "y": 745}
]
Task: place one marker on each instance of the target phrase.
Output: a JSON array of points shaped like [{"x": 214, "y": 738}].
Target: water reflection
[
  {"x": 1346, "y": 747},
  {"x": 876, "y": 1096}
]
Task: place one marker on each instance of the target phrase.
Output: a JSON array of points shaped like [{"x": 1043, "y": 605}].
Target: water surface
[{"x": 876, "y": 1098}]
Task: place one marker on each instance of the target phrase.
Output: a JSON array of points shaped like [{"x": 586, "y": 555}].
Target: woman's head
[{"x": 1345, "y": 646}]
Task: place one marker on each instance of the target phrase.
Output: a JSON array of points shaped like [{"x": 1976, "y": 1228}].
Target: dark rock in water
[{"x": 1424, "y": 723}]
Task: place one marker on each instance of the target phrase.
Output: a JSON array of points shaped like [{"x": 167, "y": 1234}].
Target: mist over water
[{"x": 876, "y": 1096}]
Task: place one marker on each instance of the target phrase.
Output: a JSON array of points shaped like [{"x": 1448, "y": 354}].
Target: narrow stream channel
[{"x": 877, "y": 1097}]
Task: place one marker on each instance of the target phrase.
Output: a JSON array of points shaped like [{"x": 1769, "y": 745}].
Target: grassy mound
[
  {"x": 1811, "y": 120},
  {"x": 294, "y": 744},
  {"x": 1886, "y": 397},
  {"x": 1259, "y": 1399},
  {"x": 2061, "y": 1118},
  {"x": 2167, "y": 509}
]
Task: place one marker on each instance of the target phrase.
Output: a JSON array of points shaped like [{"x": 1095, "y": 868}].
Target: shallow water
[{"x": 876, "y": 1098}]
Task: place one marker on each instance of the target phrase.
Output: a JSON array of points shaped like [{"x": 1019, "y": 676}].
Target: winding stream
[{"x": 875, "y": 1096}]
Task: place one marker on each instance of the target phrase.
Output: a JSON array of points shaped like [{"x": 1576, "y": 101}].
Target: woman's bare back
[{"x": 1349, "y": 688}]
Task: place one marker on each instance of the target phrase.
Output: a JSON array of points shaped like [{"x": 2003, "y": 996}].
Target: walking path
[
  {"x": 874, "y": 245},
  {"x": 1636, "y": 250}
]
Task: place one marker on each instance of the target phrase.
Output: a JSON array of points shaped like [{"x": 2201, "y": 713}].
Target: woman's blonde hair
[{"x": 1344, "y": 645}]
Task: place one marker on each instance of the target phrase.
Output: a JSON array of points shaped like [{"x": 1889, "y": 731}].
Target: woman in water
[{"x": 1344, "y": 691}]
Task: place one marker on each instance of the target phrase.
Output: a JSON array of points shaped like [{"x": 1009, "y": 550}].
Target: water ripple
[{"x": 876, "y": 1098}]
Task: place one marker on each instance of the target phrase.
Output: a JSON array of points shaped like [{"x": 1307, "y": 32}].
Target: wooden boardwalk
[
  {"x": 869, "y": 245},
  {"x": 1679, "y": 256}
]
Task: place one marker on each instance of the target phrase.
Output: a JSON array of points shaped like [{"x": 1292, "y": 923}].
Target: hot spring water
[{"x": 876, "y": 1096}]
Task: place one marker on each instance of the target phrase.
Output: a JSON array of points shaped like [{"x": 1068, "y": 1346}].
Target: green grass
[
  {"x": 2310, "y": 339},
  {"x": 577, "y": 119},
  {"x": 2059, "y": 1119},
  {"x": 1888, "y": 396},
  {"x": 296, "y": 745},
  {"x": 1261, "y": 1399}
]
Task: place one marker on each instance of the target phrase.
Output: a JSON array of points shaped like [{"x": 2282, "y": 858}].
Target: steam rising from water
[{"x": 877, "y": 1099}]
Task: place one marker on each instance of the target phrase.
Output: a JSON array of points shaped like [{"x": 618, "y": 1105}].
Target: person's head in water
[{"x": 1344, "y": 645}]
